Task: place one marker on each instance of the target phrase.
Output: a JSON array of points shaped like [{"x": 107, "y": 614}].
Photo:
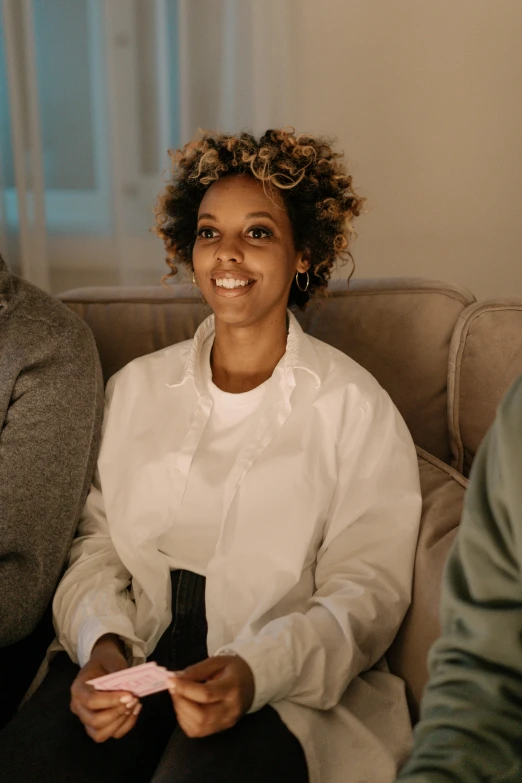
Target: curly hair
[{"x": 311, "y": 178}]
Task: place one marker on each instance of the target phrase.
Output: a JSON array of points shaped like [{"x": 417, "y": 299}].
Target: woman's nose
[{"x": 229, "y": 251}]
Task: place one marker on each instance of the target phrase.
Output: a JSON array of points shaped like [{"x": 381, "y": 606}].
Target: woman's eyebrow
[
  {"x": 260, "y": 215},
  {"x": 209, "y": 216}
]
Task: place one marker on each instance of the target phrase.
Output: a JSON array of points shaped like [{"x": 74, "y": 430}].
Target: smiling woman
[
  {"x": 253, "y": 521},
  {"x": 261, "y": 223},
  {"x": 305, "y": 183},
  {"x": 245, "y": 263},
  {"x": 243, "y": 249}
]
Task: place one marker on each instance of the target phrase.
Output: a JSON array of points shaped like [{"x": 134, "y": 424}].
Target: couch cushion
[
  {"x": 442, "y": 496},
  {"x": 400, "y": 330},
  {"x": 485, "y": 358}
]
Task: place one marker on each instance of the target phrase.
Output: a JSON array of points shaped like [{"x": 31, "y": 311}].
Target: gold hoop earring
[
  {"x": 307, "y": 282},
  {"x": 194, "y": 281}
]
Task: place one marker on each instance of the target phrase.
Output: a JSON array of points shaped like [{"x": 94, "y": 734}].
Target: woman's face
[{"x": 244, "y": 256}]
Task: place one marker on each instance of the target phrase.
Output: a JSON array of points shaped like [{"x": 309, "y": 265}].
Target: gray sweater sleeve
[
  {"x": 48, "y": 449},
  {"x": 471, "y": 723}
]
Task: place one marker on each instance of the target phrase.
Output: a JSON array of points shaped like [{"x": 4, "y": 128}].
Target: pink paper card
[{"x": 139, "y": 680}]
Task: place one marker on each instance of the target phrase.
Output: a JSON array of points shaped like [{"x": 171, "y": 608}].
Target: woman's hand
[
  {"x": 212, "y": 695},
  {"x": 104, "y": 713}
]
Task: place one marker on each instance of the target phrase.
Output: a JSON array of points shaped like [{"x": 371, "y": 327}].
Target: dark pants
[
  {"x": 46, "y": 742},
  {"x": 19, "y": 663}
]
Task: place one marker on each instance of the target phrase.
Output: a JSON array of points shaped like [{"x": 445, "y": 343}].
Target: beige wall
[{"x": 425, "y": 97}]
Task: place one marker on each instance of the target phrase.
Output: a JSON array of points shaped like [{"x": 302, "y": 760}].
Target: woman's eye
[
  {"x": 259, "y": 233},
  {"x": 206, "y": 233}
]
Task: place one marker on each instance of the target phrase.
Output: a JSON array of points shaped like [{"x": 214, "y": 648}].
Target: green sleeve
[{"x": 471, "y": 721}]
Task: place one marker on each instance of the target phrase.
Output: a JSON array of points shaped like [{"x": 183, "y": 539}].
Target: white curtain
[
  {"x": 96, "y": 91},
  {"x": 234, "y": 59},
  {"x": 29, "y": 255}
]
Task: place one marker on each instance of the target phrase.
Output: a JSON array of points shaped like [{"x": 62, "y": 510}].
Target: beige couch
[{"x": 445, "y": 360}]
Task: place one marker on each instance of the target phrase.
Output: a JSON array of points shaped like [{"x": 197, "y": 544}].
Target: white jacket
[{"x": 313, "y": 567}]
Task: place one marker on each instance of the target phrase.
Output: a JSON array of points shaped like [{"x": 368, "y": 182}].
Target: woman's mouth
[
  {"x": 232, "y": 286},
  {"x": 230, "y": 283}
]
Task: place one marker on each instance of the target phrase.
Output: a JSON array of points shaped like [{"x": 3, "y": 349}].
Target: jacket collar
[
  {"x": 6, "y": 285},
  {"x": 300, "y": 355}
]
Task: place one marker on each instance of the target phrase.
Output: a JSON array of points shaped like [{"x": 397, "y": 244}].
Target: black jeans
[
  {"x": 46, "y": 743},
  {"x": 19, "y": 663}
]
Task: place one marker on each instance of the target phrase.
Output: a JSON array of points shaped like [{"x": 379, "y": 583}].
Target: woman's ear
[{"x": 303, "y": 262}]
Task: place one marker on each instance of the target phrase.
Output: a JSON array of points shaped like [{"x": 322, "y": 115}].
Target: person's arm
[
  {"x": 471, "y": 721},
  {"x": 94, "y": 616},
  {"x": 93, "y": 598},
  {"x": 363, "y": 575},
  {"x": 48, "y": 446}
]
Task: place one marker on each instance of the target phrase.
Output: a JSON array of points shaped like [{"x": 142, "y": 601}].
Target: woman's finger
[
  {"x": 206, "y": 669},
  {"x": 98, "y": 719},
  {"x": 129, "y": 723},
  {"x": 188, "y": 710},
  {"x": 102, "y": 735},
  {"x": 199, "y": 720},
  {"x": 94, "y": 701},
  {"x": 188, "y": 722},
  {"x": 203, "y": 693},
  {"x": 188, "y": 715},
  {"x": 99, "y": 700}
]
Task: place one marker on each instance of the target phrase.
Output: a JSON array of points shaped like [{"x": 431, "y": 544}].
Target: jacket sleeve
[
  {"x": 93, "y": 597},
  {"x": 363, "y": 574},
  {"x": 471, "y": 719},
  {"x": 48, "y": 447}
]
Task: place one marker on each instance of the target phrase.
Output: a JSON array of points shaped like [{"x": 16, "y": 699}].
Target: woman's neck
[{"x": 243, "y": 358}]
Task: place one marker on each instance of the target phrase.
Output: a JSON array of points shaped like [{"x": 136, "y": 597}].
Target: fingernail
[
  {"x": 136, "y": 710},
  {"x": 172, "y": 686},
  {"x": 130, "y": 700}
]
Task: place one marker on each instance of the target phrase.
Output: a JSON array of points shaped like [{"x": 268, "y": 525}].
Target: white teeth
[{"x": 228, "y": 282}]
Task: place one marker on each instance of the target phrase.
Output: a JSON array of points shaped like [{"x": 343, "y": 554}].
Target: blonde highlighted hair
[{"x": 312, "y": 180}]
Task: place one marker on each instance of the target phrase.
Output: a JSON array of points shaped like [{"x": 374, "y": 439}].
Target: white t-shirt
[{"x": 191, "y": 542}]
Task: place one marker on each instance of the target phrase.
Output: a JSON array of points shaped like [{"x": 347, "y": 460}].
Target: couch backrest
[
  {"x": 485, "y": 358},
  {"x": 443, "y": 491},
  {"x": 399, "y": 329}
]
